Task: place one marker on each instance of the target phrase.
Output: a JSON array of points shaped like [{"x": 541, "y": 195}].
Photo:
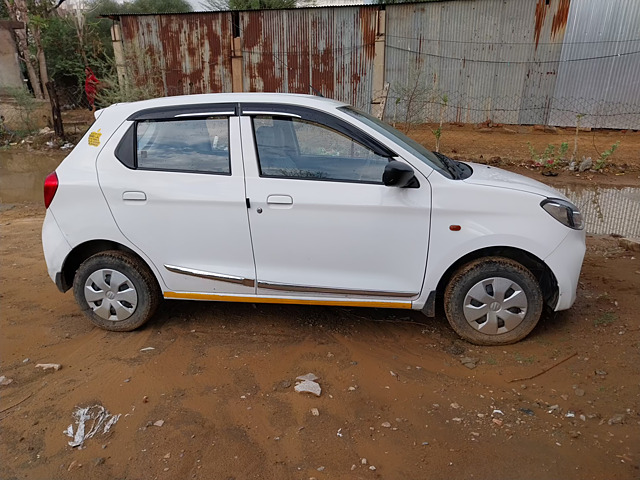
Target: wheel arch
[
  {"x": 545, "y": 276},
  {"x": 83, "y": 251}
]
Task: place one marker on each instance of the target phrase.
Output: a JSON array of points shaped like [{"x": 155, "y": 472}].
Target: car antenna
[{"x": 316, "y": 92}]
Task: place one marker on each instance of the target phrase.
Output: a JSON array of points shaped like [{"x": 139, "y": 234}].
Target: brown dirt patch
[{"x": 221, "y": 379}]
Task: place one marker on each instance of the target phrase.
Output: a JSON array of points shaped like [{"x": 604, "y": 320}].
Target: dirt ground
[{"x": 397, "y": 400}]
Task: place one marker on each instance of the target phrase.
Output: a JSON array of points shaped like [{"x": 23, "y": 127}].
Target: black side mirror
[{"x": 401, "y": 175}]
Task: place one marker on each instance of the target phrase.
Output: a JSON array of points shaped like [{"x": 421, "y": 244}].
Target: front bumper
[{"x": 565, "y": 262}]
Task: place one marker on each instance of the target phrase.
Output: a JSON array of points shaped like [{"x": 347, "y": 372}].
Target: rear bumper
[
  {"x": 56, "y": 248},
  {"x": 566, "y": 262}
]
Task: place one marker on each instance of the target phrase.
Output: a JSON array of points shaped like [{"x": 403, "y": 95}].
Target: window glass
[
  {"x": 296, "y": 148},
  {"x": 200, "y": 145}
]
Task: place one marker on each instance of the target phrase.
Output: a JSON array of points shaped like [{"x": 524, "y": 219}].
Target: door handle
[
  {"x": 134, "y": 196},
  {"x": 280, "y": 200}
]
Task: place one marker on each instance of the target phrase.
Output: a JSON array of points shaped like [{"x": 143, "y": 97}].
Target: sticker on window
[{"x": 94, "y": 138}]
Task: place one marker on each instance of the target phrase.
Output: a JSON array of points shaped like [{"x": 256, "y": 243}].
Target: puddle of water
[
  {"x": 607, "y": 210},
  {"x": 22, "y": 174}
]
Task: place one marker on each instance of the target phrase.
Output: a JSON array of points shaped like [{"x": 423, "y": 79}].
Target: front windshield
[{"x": 401, "y": 139}]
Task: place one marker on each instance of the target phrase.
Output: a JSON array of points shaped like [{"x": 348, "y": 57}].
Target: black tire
[
  {"x": 137, "y": 297},
  {"x": 500, "y": 325}
]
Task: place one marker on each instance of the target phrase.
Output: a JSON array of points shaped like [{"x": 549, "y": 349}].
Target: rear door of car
[
  {"x": 175, "y": 187},
  {"x": 322, "y": 222}
]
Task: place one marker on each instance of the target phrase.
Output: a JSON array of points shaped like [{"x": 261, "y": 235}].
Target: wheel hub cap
[
  {"x": 111, "y": 294},
  {"x": 495, "y": 305}
]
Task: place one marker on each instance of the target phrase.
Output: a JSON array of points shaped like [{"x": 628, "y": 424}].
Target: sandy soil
[{"x": 221, "y": 378}]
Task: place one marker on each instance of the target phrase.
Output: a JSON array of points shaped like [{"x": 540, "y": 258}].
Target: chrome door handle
[
  {"x": 134, "y": 196},
  {"x": 280, "y": 200}
]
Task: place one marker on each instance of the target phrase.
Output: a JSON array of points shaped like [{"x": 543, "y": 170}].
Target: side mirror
[{"x": 398, "y": 174}]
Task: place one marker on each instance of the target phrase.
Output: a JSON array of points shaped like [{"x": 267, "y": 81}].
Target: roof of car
[{"x": 282, "y": 98}]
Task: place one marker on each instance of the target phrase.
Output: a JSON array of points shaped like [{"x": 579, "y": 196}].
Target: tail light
[{"x": 50, "y": 188}]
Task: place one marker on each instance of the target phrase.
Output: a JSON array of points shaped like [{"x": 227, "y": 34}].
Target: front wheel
[
  {"x": 116, "y": 291},
  {"x": 493, "y": 301}
]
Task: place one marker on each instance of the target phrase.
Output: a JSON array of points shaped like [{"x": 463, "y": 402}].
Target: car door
[
  {"x": 175, "y": 187},
  {"x": 322, "y": 222}
]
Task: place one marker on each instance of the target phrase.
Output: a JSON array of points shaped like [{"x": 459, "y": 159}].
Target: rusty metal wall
[
  {"x": 606, "y": 89},
  {"x": 487, "y": 60},
  {"x": 320, "y": 50},
  {"x": 469, "y": 61},
  {"x": 181, "y": 54}
]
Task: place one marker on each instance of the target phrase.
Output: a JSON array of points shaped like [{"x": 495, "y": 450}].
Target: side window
[
  {"x": 296, "y": 148},
  {"x": 199, "y": 145}
]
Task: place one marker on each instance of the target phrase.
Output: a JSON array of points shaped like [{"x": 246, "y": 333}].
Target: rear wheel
[
  {"x": 493, "y": 301},
  {"x": 116, "y": 291}
]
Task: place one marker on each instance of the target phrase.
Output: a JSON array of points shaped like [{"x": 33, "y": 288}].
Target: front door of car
[
  {"x": 175, "y": 187},
  {"x": 322, "y": 223}
]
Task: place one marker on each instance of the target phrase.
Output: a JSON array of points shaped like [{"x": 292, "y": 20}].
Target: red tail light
[{"x": 50, "y": 188}]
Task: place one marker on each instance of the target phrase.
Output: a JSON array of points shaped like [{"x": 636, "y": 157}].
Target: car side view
[{"x": 282, "y": 198}]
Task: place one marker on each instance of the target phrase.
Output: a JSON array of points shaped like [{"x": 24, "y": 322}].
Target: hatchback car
[{"x": 281, "y": 198}]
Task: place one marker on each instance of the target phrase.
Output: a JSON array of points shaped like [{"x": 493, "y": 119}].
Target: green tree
[{"x": 261, "y": 4}]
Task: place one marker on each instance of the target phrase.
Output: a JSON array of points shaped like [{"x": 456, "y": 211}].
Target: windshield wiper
[{"x": 451, "y": 165}]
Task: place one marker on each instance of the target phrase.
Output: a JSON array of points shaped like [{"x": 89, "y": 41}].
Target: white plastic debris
[
  {"x": 147, "y": 349},
  {"x": 339, "y": 432},
  {"x": 315, "y": 412},
  {"x": 4, "y": 381},
  {"x": 498, "y": 411},
  {"x": 90, "y": 421},
  {"x": 158, "y": 423},
  {"x": 49, "y": 366},
  {"x": 307, "y": 386}
]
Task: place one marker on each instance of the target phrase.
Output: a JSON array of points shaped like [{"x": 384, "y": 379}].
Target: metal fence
[{"x": 552, "y": 62}]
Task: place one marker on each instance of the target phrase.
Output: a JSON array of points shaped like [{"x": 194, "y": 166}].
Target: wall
[
  {"x": 9, "y": 68},
  {"x": 471, "y": 61}
]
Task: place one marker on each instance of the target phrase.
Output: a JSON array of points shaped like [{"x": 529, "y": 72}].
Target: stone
[
  {"x": 631, "y": 244},
  {"x": 585, "y": 165},
  {"x": 49, "y": 366},
  {"x": 98, "y": 461},
  {"x": 617, "y": 419},
  {"x": 4, "y": 381},
  {"x": 315, "y": 412},
  {"x": 386, "y": 424},
  {"x": 601, "y": 372},
  {"x": 158, "y": 423},
  {"x": 579, "y": 392}
]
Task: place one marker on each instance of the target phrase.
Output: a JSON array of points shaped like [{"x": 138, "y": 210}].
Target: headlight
[{"x": 565, "y": 212}]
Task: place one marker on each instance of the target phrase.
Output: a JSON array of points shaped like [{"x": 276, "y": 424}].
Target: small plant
[
  {"x": 26, "y": 106},
  {"x": 549, "y": 158},
  {"x": 438, "y": 131},
  {"x": 606, "y": 318},
  {"x": 604, "y": 157},
  {"x": 575, "y": 138},
  {"x": 492, "y": 361}
]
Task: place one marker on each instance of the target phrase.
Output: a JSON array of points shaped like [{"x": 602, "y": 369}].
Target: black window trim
[
  {"x": 172, "y": 112},
  {"x": 128, "y": 145},
  {"x": 317, "y": 116}
]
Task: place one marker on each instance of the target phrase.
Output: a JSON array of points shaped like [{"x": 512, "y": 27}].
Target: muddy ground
[{"x": 395, "y": 390}]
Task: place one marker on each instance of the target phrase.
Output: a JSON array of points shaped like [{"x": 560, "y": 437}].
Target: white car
[{"x": 281, "y": 198}]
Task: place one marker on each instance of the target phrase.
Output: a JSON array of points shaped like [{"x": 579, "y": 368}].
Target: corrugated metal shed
[
  {"x": 507, "y": 61},
  {"x": 321, "y": 50},
  {"x": 492, "y": 59},
  {"x": 181, "y": 53},
  {"x": 607, "y": 88}
]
